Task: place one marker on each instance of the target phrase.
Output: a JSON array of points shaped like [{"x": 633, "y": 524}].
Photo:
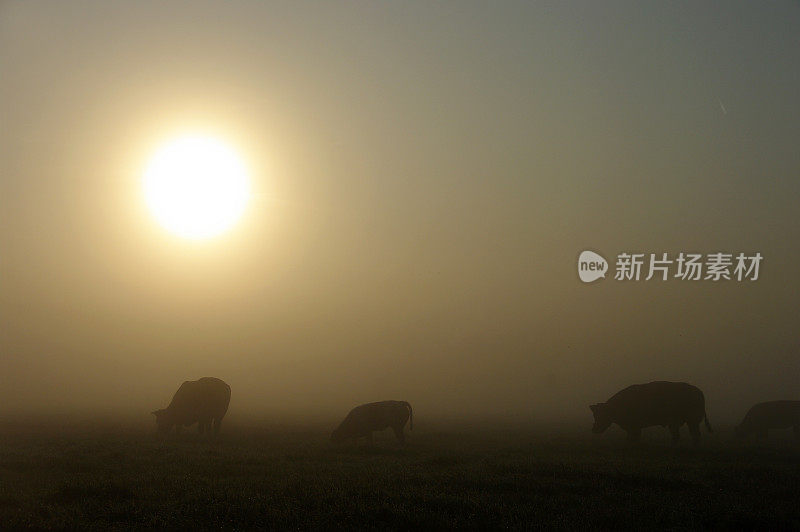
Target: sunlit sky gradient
[{"x": 424, "y": 177}]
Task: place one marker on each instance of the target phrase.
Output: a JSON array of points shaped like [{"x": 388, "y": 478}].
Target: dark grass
[{"x": 296, "y": 479}]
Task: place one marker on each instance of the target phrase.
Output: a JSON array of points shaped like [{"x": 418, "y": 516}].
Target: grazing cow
[
  {"x": 770, "y": 415},
  {"x": 669, "y": 404},
  {"x": 364, "y": 419},
  {"x": 202, "y": 401}
]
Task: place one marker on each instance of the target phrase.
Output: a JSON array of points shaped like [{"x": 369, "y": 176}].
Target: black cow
[
  {"x": 669, "y": 404},
  {"x": 770, "y": 415},
  {"x": 204, "y": 401},
  {"x": 364, "y": 419}
]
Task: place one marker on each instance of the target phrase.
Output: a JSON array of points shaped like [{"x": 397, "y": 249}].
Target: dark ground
[{"x": 293, "y": 478}]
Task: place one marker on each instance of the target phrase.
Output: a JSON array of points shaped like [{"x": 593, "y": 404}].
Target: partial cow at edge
[
  {"x": 204, "y": 401},
  {"x": 363, "y": 420},
  {"x": 668, "y": 404},
  {"x": 763, "y": 417}
]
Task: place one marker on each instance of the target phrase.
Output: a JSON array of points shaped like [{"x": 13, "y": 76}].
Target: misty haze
[{"x": 395, "y": 234}]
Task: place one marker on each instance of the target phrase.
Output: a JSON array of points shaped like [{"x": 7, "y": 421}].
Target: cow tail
[
  {"x": 705, "y": 419},
  {"x": 410, "y": 415}
]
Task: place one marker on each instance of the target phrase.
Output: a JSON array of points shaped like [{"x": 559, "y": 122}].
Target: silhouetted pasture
[{"x": 278, "y": 477}]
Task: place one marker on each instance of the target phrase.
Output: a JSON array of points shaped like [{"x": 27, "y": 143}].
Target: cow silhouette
[
  {"x": 363, "y": 420},
  {"x": 770, "y": 415},
  {"x": 204, "y": 401},
  {"x": 668, "y": 404}
]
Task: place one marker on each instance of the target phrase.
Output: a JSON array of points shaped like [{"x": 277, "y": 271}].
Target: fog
[{"x": 425, "y": 178}]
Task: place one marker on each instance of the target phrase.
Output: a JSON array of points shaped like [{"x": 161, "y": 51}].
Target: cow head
[
  {"x": 602, "y": 417},
  {"x": 338, "y": 436},
  {"x": 164, "y": 420}
]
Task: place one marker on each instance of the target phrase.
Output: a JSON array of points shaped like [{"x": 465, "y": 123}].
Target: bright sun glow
[{"x": 196, "y": 187}]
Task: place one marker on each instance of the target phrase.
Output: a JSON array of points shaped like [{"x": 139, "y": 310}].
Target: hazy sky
[{"x": 425, "y": 177}]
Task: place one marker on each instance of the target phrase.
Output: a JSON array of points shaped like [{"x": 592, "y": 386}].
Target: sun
[{"x": 196, "y": 186}]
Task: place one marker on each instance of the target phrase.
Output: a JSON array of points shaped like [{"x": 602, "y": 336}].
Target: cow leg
[
  {"x": 398, "y": 431},
  {"x": 675, "y": 430},
  {"x": 694, "y": 430},
  {"x": 634, "y": 435},
  {"x": 370, "y": 439},
  {"x": 201, "y": 426},
  {"x": 762, "y": 434}
]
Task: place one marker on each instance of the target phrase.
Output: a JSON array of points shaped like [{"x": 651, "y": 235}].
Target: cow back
[
  {"x": 205, "y": 398},
  {"x": 657, "y": 403}
]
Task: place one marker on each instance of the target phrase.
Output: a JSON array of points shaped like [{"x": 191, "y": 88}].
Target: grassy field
[{"x": 293, "y": 478}]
